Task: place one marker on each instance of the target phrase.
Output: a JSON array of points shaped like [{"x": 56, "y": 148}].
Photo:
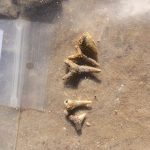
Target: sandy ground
[{"x": 120, "y": 117}]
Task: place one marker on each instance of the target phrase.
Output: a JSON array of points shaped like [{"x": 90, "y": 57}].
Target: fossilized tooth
[
  {"x": 87, "y": 69},
  {"x": 88, "y": 46},
  {"x": 72, "y": 65},
  {"x": 90, "y": 60},
  {"x": 78, "y": 120},
  {"x": 77, "y": 69},
  {"x": 81, "y": 68},
  {"x": 72, "y": 104},
  {"x": 85, "y": 58},
  {"x": 68, "y": 75}
]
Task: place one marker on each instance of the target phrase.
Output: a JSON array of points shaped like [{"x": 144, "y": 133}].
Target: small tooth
[
  {"x": 78, "y": 120},
  {"x": 72, "y": 104}
]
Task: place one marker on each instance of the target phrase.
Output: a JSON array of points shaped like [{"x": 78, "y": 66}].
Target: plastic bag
[
  {"x": 23, "y": 63},
  {"x": 10, "y": 43}
]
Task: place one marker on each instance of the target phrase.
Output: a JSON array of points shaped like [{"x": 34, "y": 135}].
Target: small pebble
[
  {"x": 116, "y": 112},
  {"x": 66, "y": 113},
  {"x": 64, "y": 128},
  {"x": 95, "y": 97}
]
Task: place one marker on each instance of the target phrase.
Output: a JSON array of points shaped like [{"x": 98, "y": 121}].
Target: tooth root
[
  {"x": 86, "y": 51},
  {"x": 74, "y": 57},
  {"x": 77, "y": 56},
  {"x": 90, "y": 60},
  {"x": 85, "y": 103},
  {"x": 68, "y": 75},
  {"x": 71, "y": 64},
  {"x": 87, "y": 69},
  {"x": 78, "y": 120}
]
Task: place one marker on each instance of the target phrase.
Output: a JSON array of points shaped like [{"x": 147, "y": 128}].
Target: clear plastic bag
[
  {"x": 10, "y": 43},
  {"x": 34, "y": 62},
  {"x": 23, "y": 63}
]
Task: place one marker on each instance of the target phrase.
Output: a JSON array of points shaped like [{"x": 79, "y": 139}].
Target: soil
[{"x": 120, "y": 117}]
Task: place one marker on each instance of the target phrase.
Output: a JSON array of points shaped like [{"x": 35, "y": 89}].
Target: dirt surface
[
  {"x": 120, "y": 117},
  {"x": 8, "y": 128}
]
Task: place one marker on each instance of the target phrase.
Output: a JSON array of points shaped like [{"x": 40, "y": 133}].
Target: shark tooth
[
  {"x": 88, "y": 46},
  {"x": 78, "y": 120},
  {"x": 72, "y": 104}
]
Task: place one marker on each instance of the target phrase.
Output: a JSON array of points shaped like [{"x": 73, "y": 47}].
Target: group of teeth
[
  {"x": 77, "y": 119},
  {"x": 86, "y": 51}
]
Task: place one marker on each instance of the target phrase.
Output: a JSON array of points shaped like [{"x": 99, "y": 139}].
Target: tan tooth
[
  {"x": 87, "y": 69},
  {"x": 68, "y": 75},
  {"x": 78, "y": 120},
  {"x": 72, "y": 104}
]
